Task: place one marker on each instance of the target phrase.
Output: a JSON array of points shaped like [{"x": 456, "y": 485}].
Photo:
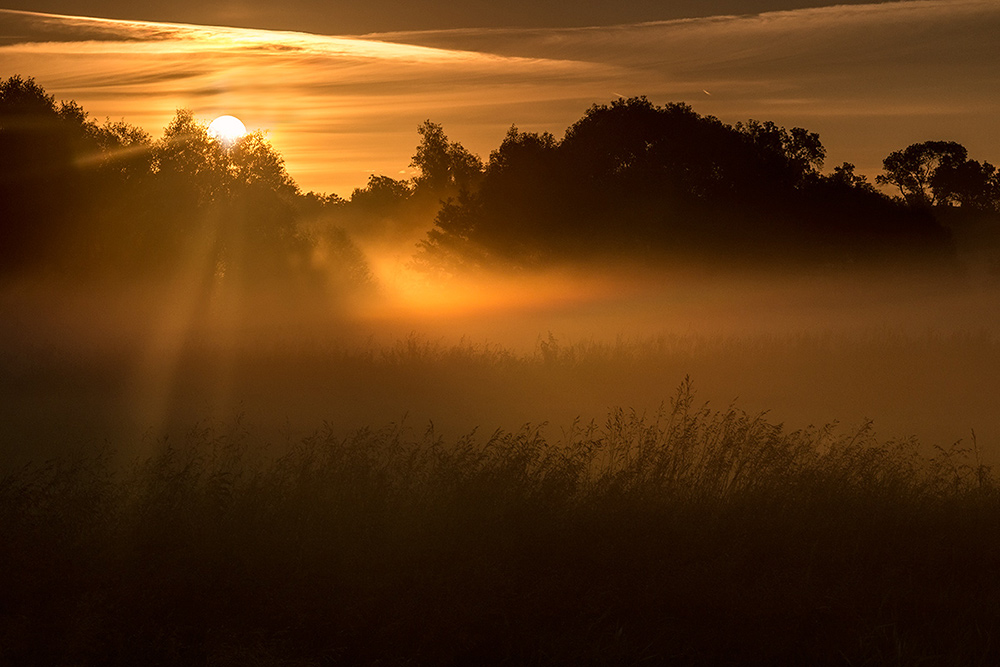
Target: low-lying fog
[{"x": 130, "y": 367}]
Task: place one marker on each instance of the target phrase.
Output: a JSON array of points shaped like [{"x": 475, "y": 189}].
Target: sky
[
  {"x": 869, "y": 79},
  {"x": 362, "y": 16}
]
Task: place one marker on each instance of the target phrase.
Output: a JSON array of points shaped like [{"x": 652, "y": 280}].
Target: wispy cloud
[
  {"x": 869, "y": 78},
  {"x": 337, "y": 108}
]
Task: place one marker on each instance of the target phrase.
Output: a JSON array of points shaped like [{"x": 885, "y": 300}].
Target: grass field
[
  {"x": 181, "y": 492},
  {"x": 692, "y": 536},
  {"x": 96, "y": 367}
]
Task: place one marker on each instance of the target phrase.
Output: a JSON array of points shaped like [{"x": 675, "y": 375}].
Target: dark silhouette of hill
[{"x": 665, "y": 183}]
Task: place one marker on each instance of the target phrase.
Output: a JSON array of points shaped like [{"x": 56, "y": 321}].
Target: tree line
[
  {"x": 666, "y": 183},
  {"x": 82, "y": 198},
  {"x": 633, "y": 179}
]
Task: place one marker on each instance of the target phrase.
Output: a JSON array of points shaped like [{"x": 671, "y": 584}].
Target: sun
[{"x": 227, "y": 130}]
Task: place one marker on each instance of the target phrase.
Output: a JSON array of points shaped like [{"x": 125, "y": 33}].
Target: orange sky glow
[{"x": 869, "y": 78}]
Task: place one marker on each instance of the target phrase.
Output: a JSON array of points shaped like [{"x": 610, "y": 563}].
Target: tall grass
[{"x": 689, "y": 536}]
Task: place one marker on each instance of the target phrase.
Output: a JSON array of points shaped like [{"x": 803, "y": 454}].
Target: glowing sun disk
[{"x": 227, "y": 130}]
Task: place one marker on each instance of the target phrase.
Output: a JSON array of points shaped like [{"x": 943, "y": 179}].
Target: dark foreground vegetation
[{"x": 693, "y": 537}]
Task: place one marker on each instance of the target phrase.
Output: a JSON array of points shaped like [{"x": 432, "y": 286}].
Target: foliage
[
  {"x": 39, "y": 141},
  {"x": 969, "y": 184},
  {"x": 845, "y": 176},
  {"x": 790, "y": 155},
  {"x": 912, "y": 169},
  {"x": 664, "y": 183},
  {"x": 381, "y": 194},
  {"x": 393, "y": 212},
  {"x": 239, "y": 199},
  {"x": 444, "y": 166},
  {"x": 940, "y": 173},
  {"x": 88, "y": 200}
]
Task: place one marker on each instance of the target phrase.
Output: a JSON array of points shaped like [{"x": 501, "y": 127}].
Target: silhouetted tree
[
  {"x": 125, "y": 150},
  {"x": 633, "y": 145},
  {"x": 790, "y": 156},
  {"x": 521, "y": 149},
  {"x": 112, "y": 235},
  {"x": 40, "y": 175},
  {"x": 912, "y": 169},
  {"x": 452, "y": 246},
  {"x": 190, "y": 165},
  {"x": 382, "y": 194},
  {"x": 393, "y": 211},
  {"x": 445, "y": 167},
  {"x": 969, "y": 184},
  {"x": 846, "y": 176},
  {"x": 665, "y": 182},
  {"x": 961, "y": 194},
  {"x": 253, "y": 162},
  {"x": 498, "y": 223},
  {"x": 236, "y": 205},
  {"x": 379, "y": 210},
  {"x": 82, "y": 199}
]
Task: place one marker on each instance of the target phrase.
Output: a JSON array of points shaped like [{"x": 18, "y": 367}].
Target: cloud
[{"x": 869, "y": 78}]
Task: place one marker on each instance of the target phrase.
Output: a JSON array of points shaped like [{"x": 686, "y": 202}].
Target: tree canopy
[
  {"x": 81, "y": 198},
  {"x": 628, "y": 179},
  {"x": 444, "y": 165},
  {"x": 664, "y": 182},
  {"x": 940, "y": 173}
]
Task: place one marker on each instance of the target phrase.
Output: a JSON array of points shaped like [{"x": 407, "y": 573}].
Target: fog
[
  {"x": 150, "y": 289},
  {"x": 131, "y": 367}
]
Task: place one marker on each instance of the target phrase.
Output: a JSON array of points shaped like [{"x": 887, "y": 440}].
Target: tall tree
[
  {"x": 40, "y": 171},
  {"x": 913, "y": 169},
  {"x": 445, "y": 167},
  {"x": 969, "y": 184},
  {"x": 238, "y": 200},
  {"x": 792, "y": 155}
]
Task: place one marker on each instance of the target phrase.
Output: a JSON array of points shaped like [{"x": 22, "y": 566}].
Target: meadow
[
  {"x": 383, "y": 489},
  {"x": 692, "y": 536},
  {"x": 128, "y": 369}
]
